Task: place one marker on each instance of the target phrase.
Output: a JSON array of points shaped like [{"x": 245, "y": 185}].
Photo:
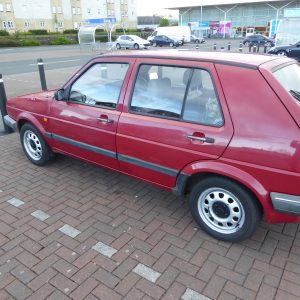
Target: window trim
[
  {"x": 180, "y": 119},
  {"x": 69, "y": 87}
]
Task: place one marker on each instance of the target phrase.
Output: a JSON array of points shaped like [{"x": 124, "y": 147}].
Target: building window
[
  {"x": 74, "y": 10},
  {"x": 8, "y": 7},
  {"x": 78, "y": 10},
  {"x": 42, "y": 23},
  {"x": 10, "y": 24},
  {"x": 27, "y": 24},
  {"x": 4, "y": 26},
  {"x": 59, "y": 10},
  {"x": 54, "y": 9},
  {"x": 60, "y": 24},
  {"x": 1, "y": 7}
]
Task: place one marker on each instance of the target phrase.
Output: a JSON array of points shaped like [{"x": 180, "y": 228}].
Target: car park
[
  {"x": 131, "y": 41},
  {"x": 197, "y": 40},
  {"x": 178, "y": 120},
  {"x": 258, "y": 40},
  {"x": 163, "y": 40},
  {"x": 292, "y": 51}
]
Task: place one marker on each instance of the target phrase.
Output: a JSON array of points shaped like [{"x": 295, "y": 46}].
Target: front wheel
[
  {"x": 118, "y": 46},
  {"x": 247, "y": 44},
  {"x": 281, "y": 53},
  {"x": 136, "y": 46},
  {"x": 171, "y": 44},
  {"x": 34, "y": 145},
  {"x": 224, "y": 209}
]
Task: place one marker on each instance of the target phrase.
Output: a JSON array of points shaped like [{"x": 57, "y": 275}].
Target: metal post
[
  {"x": 241, "y": 47},
  {"x": 254, "y": 48},
  {"x": 3, "y": 100},
  {"x": 197, "y": 47},
  {"x": 250, "y": 48},
  {"x": 265, "y": 49},
  {"x": 229, "y": 46},
  {"x": 222, "y": 49},
  {"x": 42, "y": 74},
  {"x": 257, "y": 48},
  {"x": 215, "y": 46}
]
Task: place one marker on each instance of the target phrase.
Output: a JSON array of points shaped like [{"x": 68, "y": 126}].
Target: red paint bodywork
[{"x": 258, "y": 146}]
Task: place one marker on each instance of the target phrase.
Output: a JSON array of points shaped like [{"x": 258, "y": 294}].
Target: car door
[
  {"x": 84, "y": 124},
  {"x": 174, "y": 114},
  {"x": 294, "y": 51}
]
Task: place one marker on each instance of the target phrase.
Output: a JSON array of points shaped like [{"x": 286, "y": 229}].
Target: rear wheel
[
  {"x": 247, "y": 44},
  {"x": 197, "y": 41},
  {"x": 34, "y": 145},
  {"x": 136, "y": 46},
  {"x": 171, "y": 44},
  {"x": 224, "y": 209},
  {"x": 118, "y": 46}
]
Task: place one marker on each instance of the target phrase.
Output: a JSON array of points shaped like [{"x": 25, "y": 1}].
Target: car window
[
  {"x": 185, "y": 94},
  {"x": 289, "y": 78},
  {"x": 100, "y": 85}
]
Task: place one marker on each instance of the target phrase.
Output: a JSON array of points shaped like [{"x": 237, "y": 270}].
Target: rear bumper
[
  {"x": 10, "y": 122},
  {"x": 285, "y": 203}
]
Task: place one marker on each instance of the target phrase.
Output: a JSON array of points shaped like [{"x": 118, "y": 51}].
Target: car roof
[{"x": 246, "y": 60}]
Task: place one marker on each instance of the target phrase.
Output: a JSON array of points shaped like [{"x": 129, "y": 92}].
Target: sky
[{"x": 151, "y": 7}]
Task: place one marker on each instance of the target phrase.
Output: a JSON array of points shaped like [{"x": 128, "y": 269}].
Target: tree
[{"x": 164, "y": 22}]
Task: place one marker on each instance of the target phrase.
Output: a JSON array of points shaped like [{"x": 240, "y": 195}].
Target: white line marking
[{"x": 56, "y": 62}]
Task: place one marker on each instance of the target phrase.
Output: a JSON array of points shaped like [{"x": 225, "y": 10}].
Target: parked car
[
  {"x": 258, "y": 39},
  {"x": 163, "y": 40},
  {"x": 292, "y": 51},
  {"x": 131, "y": 41},
  {"x": 179, "y": 120},
  {"x": 197, "y": 40}
]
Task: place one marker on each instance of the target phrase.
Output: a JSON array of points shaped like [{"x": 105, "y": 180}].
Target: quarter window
[
  {"x": 179, "y": 93},
  {"x": 100, "y": 85}
]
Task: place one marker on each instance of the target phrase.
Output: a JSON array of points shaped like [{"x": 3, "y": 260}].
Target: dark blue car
[
  {"x": 292, "y": 51},
  {"x": 163, "y": 40}
]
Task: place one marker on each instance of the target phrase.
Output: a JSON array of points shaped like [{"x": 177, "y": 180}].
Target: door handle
[
  {"x": 203, "y": 139},
  {"x": 105, "y": 119}
]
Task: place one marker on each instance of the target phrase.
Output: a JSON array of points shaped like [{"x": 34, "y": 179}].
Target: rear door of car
[
  {"x": 84, "y": 124},
  {"x": 174, "y": 114}
]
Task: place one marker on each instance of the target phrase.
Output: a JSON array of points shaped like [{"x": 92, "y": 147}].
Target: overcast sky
[{"x": 151, "y": 7}]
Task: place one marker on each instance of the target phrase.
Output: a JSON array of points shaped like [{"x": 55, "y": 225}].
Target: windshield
[{"x": 289, "y": 78}]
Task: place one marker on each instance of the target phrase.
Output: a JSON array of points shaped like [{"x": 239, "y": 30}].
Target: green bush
[
  {"x": 38, "y": 31},
  {"x": 29, "y": 43},
  {"x": 9, "y": 42},
  {"x": 62, "y": 40},
  {"x": 101, "y": 38},
  {"x": 70, "y": 31},
  {"x": 4, "y": 33},
  {"x": 100, "y": 30}
]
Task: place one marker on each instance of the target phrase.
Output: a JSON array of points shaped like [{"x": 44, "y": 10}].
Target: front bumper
[
  {"x": 285, "y": 203},
  {"x": 10, "y": 122}
]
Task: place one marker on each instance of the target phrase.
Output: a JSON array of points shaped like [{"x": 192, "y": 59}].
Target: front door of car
[
  {"x": 84, "y": 124},
  {"x": 174, "y": 114},
  {"x": 295, "y": 51}
]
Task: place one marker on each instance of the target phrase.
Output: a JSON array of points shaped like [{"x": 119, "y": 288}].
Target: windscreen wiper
[{"x": 295, "y": 94}]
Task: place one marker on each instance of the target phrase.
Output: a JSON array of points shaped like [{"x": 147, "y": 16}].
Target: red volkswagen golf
[{"x": 222, "y": 128}]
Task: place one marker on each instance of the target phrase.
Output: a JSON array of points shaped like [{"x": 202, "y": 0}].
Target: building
[
  {"x": 234, "y": 17},
  {"x": 58, "y": 15}
]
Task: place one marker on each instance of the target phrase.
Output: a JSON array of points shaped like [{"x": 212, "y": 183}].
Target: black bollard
[
  {"x": 222, "y": 49},
  {"x": 215, "y": 46},
  {"x": 241, "y": 49},
  {"x": 42, "y": 74},
  {"x": 197, "y": 47},
  {"x": 229, "y": 46},
  {"x": 241, "y": 45},
  {"x": 3, "y": 101},
  {"x": 250, "y": 48},
  {"x": 254, "y": 49},
  {"x": 265, "y": 49},
  {"x": 257, "y": 50}
]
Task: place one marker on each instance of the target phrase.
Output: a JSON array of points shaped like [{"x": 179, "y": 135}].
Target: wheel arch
[
  {"x": 28, "y": 118},
  {"x": 190, "y": 175}
]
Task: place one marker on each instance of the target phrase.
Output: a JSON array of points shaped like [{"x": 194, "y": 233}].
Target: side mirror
[{"x": 59, "y": 95}]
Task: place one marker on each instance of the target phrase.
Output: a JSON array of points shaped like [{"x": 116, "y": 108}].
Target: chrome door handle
[
  {"x": 202, "y": 139},
  {"x": 105, "y": 120}
]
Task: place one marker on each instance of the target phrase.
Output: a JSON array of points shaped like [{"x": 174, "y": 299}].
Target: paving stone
[
  {"x": 39, "y": 214},
  {"x": 146, "y": 272},
  {"x": 104, "y": 249},
  {"x": 69, "y": 231},
  {"x": 189, "y": 294},
  {"x": 15, "y": 202}
]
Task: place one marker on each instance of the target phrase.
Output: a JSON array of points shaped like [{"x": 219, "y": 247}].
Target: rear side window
[
  {"x": 184, "y": 94},
  {"x": 289, "y": 78}
]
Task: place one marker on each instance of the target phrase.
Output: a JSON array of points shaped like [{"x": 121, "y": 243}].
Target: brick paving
[{"x": 125, "y": 239}]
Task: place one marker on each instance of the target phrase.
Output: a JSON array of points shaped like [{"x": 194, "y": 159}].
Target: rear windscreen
[{"x": 289, "y": 78}]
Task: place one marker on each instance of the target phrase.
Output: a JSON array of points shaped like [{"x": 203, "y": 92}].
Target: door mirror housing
[{"x": 59, "y": 95}]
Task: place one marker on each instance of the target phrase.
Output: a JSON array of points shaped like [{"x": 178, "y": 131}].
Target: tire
[
  {"x": 247, "y": 44},
  {"x": 136, "y": 46},
  {"x": 34, "y": 145},
  {"x": 197, "y": 41},
  {"x": 281, "y": 53},
  {"x": 224, "y": 209},
  {"x": 118, "y": 46},
  {"x": 171, "y": 44},
  {"x": 154, "y": 44}
]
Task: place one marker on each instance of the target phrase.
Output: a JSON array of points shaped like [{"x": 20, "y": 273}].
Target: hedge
[
  {"x": 28, "y": 43},
  {"x": 38, "y": 31},
  {"x": 9, "y": 42},
  {"x": 3, "y": 33},
  {"x": 62, "y": 40}
]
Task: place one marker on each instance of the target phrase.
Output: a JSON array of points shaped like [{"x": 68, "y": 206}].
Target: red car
[{"x": 222, "y": 128}]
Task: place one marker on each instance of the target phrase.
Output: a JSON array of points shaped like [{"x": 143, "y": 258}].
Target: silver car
[{"x": 131, "y": 41}]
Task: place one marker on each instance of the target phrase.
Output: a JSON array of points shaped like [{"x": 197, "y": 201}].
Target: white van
[
  {"x": 288, "y": 32},
  {"x": 174, "y": 32}
]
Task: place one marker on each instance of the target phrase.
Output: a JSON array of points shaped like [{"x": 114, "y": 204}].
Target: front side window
[
  {"x": 100, "y": 85},
  {"x": 184, "y": 94}
]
